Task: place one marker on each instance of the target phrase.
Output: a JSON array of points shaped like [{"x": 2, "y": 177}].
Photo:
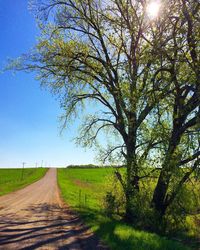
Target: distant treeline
[{"x": 95, "y": 166}]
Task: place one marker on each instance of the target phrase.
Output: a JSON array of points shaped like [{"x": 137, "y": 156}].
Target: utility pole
[
  {"x": 36, "y": 165},
  {"x": 22, "y": 176}
]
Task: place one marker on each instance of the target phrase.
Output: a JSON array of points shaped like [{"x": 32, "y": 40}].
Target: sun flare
[{"x": 153, "y": 9}]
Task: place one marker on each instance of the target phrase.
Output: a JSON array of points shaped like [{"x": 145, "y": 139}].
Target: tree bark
[
  {"x": 132, "y": 183},
  {"x": 160, "y": 192}
]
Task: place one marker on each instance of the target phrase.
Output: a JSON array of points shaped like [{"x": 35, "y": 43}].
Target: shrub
[
  {"x": 180, "y": 215},
  {"x": 114, "y": 198}
]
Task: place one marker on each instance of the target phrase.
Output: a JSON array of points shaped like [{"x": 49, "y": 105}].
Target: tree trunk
[
  {"x": 132, "y": 180},
  {"x": 159, "y": 200},
  {"x": 160, "y": 192},
  {"x": 132, "y": 185}
]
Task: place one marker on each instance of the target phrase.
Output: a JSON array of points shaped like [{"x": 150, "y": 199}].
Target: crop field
[
  {"x": 13, "y": 179},
  {"x": 84, "y": 189}
]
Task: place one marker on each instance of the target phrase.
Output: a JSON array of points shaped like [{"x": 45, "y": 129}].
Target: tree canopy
[{"x": 142, "y": 74}]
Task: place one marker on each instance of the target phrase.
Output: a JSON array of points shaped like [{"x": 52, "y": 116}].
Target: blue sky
[{"x": 29, "y": 124}]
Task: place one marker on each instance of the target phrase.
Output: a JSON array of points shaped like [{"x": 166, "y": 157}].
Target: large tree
[
  {"x": 181, "y": 56},
  {"x": 142, "y": 71}
]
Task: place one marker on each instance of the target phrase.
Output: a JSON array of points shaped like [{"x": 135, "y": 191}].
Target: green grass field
[
  {"x": 13, "y": 179},
  {"x": 83, "y": 190}
]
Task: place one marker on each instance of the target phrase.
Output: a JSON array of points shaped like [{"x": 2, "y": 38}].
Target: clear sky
[{"x": 29, "y": 126}]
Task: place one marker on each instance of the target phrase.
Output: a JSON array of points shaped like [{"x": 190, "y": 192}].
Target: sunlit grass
[
  {"x": 13, "y": 179},
  {"x": 83, "y": 190}
]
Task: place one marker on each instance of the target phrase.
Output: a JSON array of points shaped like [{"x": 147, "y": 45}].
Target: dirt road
[{"x": 35, "y": 218}]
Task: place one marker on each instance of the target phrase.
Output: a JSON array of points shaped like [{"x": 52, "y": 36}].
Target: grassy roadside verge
[
  {"x": 14, "y": 179},
  {"x": 83, "y": 190}
]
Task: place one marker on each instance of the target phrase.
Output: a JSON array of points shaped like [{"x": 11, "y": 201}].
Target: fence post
[
  {"x": 79, "y": 197},
  {"x": 85, "y": 200},
  {"x": 22, "y": 176}
]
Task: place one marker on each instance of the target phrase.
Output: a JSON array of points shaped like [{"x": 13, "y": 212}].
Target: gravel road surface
[{"x": 36, "y": 218}]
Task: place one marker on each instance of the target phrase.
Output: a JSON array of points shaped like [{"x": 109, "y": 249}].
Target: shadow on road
[{"x": 45, "y": 225}]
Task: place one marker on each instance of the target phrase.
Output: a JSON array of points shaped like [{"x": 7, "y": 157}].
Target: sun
[{"x": 153, "y": 9}]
